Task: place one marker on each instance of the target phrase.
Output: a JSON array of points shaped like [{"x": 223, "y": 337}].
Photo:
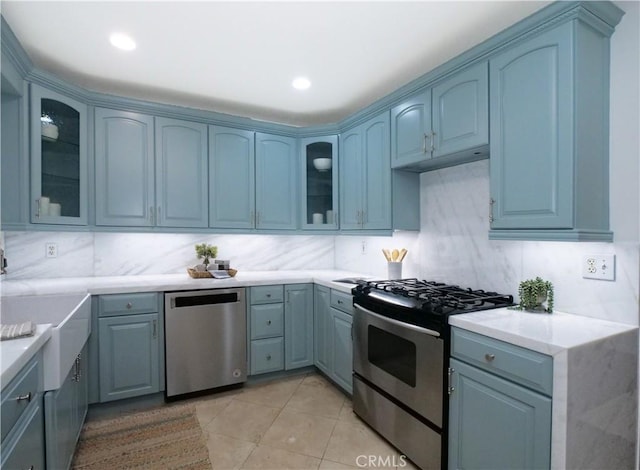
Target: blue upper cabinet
[
  {"x": 144, "y": 185},
  {"x": 276, "y": 182},
  {"x": 319, "y": 157},
  {"x": 124, "y": 154},
  {"x": 444, "y": 125},
  {"x": 365, "y": 176},
  {"x": 411, "y": 130},
  {"x": 59, "y": 172},
  {"x": 231, "y": 178},
  {"x": 549, "y": 137},
  {"x": 182, "y": 179}
]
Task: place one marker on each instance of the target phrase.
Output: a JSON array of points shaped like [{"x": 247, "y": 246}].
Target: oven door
[{"x": 404, "y": 360}]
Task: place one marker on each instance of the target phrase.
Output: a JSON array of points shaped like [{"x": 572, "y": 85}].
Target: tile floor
[{"x": 302, "y": 422}]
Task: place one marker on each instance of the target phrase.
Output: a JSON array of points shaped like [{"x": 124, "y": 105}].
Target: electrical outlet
[
  {"x": 51, "y": 250},
  {"x": 599, "y": 267}
]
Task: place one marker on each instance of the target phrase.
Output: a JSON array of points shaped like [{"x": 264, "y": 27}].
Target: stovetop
[{"x": 424, "y": 303}]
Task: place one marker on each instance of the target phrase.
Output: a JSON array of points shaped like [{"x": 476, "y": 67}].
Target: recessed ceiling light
[
  {"x": 122, "y": 41},
  {"x": 301, "y": 83}
]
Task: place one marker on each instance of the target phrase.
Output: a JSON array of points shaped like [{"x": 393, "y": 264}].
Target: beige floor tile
[
  {"x": 208, "y": 409},
  {"x": 317, "y": 380},
  {"x": 300, "y": 433},
  {"x": 347, "y": 414},
  {"x": 329, "y": 465},
  {"x": 243, "y": 420},
  {"x": 275, "y": 394},
  {"x": 350, "y": 442},
  {"x": 227, "y": 452},
  {"x": 317, "y": 397},
  {"x": 268, "y": 458}
]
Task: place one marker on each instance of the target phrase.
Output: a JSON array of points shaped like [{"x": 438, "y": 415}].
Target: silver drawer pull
[
  {"x": 268, "y": 322},
  {"x": 268, "y": 357},
  {"x": 129, "y": 305},
  {"x": 489, "y": 357},
  {"x": 268, "y": 296},
  {"x": 24, "y": 397},
  {"x": 340, "y": 302}
]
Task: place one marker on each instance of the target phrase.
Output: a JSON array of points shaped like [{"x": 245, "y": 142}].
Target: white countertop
[
  {"x": 171, "y": 282},
  {"x": 546, "y": 333},
  {"x": 16, "y": 353}
]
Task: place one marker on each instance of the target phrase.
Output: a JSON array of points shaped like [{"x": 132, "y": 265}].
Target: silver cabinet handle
[
  {"x": 268, "y": 357},
  {"x": 129, "y": 305},
  {"x": 433, "y": 142},
  {"x": 450, "y": 387},
  {"x": 268, "y": 296},
  {"x": 268, "y": 322},
  {"x": 258, "y": 219},
  {"x": 38, "y": 208},
  {"x": 492, "y": 201},
  {"x": 340, "y": 302},
  {"x": 24, "y": 397},
  {"x": 155, "y": 329},
  {"x": 151, "y": 214},
  {"x": 489, "y": 357},
  {"x": 158, "y": 216},
  {"x": 424, "y": 144}
]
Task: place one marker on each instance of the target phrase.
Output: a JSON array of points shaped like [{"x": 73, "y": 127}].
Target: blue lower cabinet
[
  {"x": 65, "y": 412},
  {"x": 129, "y": 356},
  {"x": 26, "y": 449},
  {"x": 495, "y": 423},
  {"x": 22, "y": 419},
  {"x": 322, "y": 329},
  {"x": 267, "y": 355},
  {"x": 342, "y": 349},
  {"x": 298, "y": 325}
]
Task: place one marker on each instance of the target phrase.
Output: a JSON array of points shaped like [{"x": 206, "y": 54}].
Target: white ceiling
[{"x": 240, "y": 57}]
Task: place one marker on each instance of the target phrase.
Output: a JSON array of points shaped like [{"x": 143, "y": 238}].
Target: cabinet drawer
[
  {"x": 267, "y": 321},
  {"x": 19, "y": 393},
  {"x": 26, "y": 448},
  {"x": 267, "y": 294},
  {"x": 267, "y": 355},
  {"x": 342, "y": 301},
  {"x": 127, "y": 304},
  {"x": 523, "y": 366}
]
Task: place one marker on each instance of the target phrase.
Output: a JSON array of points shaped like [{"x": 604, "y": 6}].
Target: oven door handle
[{"x": 416, "y": 328}]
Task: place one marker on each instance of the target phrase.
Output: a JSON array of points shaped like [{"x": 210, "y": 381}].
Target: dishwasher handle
[{"x": 200, "y": 298}]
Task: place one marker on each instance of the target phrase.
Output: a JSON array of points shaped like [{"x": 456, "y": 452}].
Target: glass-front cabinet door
[
  {"x": 320, "y": 183},
  {"x": 58, "y": 158}
]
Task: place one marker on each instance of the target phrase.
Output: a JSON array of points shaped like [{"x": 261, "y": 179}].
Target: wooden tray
[{"x": 206, "y": 274}]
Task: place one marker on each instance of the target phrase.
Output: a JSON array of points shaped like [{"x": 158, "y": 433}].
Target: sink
[{"x": 70, "y": 316}]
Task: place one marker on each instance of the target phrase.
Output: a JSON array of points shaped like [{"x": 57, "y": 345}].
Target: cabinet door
[
  {"x": 377, "y": 180},
  {"x": 231, "y": 178},
  {"x": 461, "y": 111},
  {"x": 182, "y": 191},
  {"x": 319, "y": 156},
  {"x": 61, "y": 422},
  {"x": 351, "y": 174},
  {"x": 322, "y": 328},
  {"x": 124, "y": 168},
  {"x": 342, "y": 349},
  {"x": 411, "y": 130},
  {"x": 298, "y": 326},
  {"x": 27, "y": 449},
  {"x": 531, "y": 128},
  {"x": 129, "y": 364},
  {"x": 276, "y": 182},
  {"x": 494, "y": 423},
  {"x": 58, "y": 158}
]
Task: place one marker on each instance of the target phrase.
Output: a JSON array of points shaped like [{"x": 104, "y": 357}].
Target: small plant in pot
[
  {"x": 205, "y": 251},
  {"x": 534, "y": 294}
]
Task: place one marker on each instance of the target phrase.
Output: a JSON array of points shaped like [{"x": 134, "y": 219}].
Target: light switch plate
[{"x": 601, "y": 267}]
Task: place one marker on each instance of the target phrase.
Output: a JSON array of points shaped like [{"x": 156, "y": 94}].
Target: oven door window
[{"x": 393, "y": 354}]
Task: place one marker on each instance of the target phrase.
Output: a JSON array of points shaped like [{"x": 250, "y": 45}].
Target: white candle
[
  {"x": 44, "y": 206},
  {"x": 318, "y": 218},
  {"x": 55, "y": 209}
]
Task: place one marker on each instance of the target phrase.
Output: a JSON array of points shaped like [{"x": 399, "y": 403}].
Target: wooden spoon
[
  {"x": 387, "y": 254},
  {"x": 394, "y": 254},
  {"x": 403, "y": 253}
]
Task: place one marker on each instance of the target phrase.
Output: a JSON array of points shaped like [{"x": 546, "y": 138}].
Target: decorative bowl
[{"x": 322, "y": 164}]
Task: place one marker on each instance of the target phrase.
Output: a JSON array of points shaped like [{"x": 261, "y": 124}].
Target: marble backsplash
[{"x": 118, "y": 254}]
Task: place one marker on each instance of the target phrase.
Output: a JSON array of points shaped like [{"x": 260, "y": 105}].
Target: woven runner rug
[{"x": 168, "y": 437}]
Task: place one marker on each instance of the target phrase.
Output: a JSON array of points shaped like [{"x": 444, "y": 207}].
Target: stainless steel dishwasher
[{"x": 205, "y": 340}]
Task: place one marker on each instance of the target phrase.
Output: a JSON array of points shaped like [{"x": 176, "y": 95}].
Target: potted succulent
[
  {"x": 205, "y": 251},
  {"x": 534, "y": 293}
]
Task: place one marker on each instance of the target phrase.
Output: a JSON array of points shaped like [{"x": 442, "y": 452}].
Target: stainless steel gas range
[{"x": 401, "y": 360}]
